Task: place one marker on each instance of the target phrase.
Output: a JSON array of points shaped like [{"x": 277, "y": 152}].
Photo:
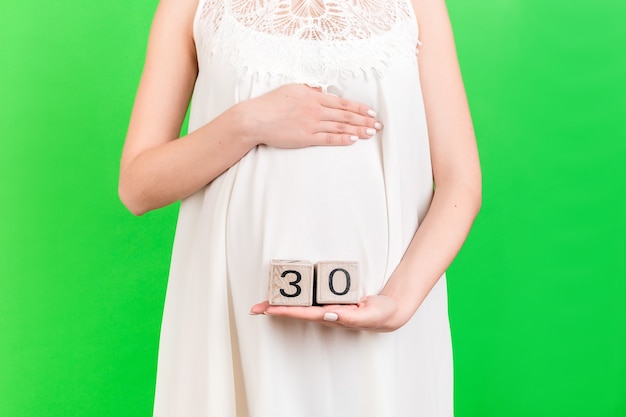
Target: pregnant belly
[{"x": 320, "y": 203}]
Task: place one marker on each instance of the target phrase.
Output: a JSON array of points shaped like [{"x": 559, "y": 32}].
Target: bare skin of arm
[
  {"x": 456, "y": 200},
  {"x": 157, "y": 168}
]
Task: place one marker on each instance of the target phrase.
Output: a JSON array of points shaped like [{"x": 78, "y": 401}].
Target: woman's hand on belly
[
  {"x": 298, "y": 116},
  {"x": 374, "y": 313}
]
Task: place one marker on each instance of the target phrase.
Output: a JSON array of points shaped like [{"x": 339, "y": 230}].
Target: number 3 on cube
[{"x": 291, "y": 283}]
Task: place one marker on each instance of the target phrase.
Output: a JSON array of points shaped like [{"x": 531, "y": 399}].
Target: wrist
[
  {"x": 406, "y": 302},
  {"x": 245, "y": 124}
]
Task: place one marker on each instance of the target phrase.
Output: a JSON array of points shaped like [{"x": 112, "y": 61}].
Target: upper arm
[
  {"x": 167, "y": 80},
  {"x": 452, "y": 141}
]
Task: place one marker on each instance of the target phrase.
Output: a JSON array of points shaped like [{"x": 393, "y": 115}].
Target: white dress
[{"x": 361, "y": 202}]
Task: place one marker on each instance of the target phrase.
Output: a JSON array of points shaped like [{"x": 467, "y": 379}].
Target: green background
[{"x": 537, "y": 296}]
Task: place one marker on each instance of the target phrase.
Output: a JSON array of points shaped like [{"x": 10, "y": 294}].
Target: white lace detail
[{"x": 307, "y": 41}]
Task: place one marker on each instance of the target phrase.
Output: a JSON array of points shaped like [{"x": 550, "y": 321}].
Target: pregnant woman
[{"x": 319, "y": 130}]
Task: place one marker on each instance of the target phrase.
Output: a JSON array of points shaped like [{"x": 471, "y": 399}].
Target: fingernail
[
  {"x": 371, "y": 112},
  {"x": 378, "y": 125},
  {"x": 370, "y": 131},
  {"x": 330, "y": 316},
  {"x": 354, "y": 138}
]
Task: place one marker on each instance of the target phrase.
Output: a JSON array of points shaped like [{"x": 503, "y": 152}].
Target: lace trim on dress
[{"x": 315, "y": 42}]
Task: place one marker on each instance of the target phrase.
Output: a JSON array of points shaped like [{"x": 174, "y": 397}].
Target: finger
[
  {"x": 312, "y": 313},
  {"x": 341, "y": 103},
  {"x": 348, "y": 117},
  {"x": 333, "y": 312},
  {"x": 362, "y": 132},
  {"x": 259, "y": 308},
  {"x": 301, "y": 313},
  {"x": 334, "y": 139},
  {"x": 353, "y": 319}
]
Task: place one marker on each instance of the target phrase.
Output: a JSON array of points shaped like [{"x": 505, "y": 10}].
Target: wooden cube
[
  {"x": 337, "y": 282},
  {"x": 291, "y": 283}
]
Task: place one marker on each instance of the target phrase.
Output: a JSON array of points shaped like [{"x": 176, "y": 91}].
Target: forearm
[
  {"x": 455, "y": 161},
  {"x": 156, "y": 170},
  {"x": 433, "y": 247},
  {"x": 171, "y": 171}
]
